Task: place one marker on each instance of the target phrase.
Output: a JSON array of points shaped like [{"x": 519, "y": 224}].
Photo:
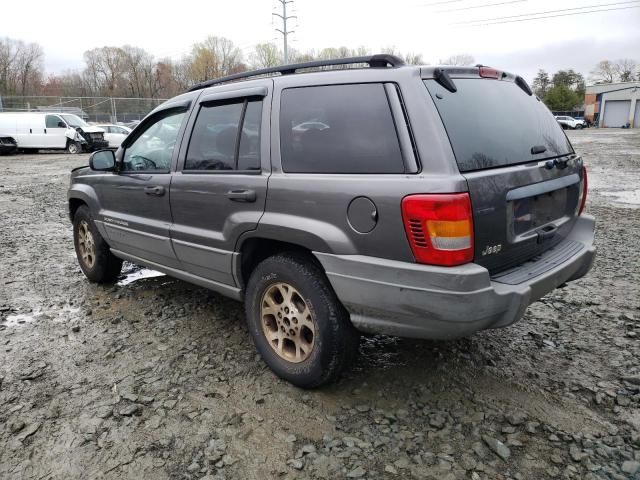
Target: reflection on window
[
  {"x": 338, "y": 129},
  {"x": 154, "y": 148},
  {"x": 214, "y": 144}
]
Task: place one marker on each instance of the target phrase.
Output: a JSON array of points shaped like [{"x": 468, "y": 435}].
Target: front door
[
  {"x": 135, "y": 200},
  {"x": 219, "y": 190},
  {"x": 55, "y": 132}
]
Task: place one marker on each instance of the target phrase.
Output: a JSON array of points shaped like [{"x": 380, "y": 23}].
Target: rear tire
[
  {"x": 298, "y": 325},
  {"x": 97, "y": 262}
]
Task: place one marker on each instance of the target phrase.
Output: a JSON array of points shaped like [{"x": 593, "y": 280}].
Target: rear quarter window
[{"x": 338, "y": 129}]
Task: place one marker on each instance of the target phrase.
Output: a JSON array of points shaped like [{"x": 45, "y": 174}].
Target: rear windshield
[{"x": 493, "y": 123}]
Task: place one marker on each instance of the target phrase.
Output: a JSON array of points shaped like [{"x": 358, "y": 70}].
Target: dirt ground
[{"x": 155, "y": 378}]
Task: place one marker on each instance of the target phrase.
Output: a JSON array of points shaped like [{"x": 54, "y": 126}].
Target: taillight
[
  {"x": 486, "y": 72},
  {"x": 439, "y": 228},
  {"x": 582, "y": 199}
]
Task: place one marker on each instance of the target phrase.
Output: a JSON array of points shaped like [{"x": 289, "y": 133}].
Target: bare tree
[
  {"x": 137, "y": 69},
  {"x": 105, "y": 70},
  {"x": 625, "y": 69},
  {"x": 604, "y": 72},
  {"x": 213, "y": 58},
  {"x": 414, "y": 59},
  {"x": 21, "y": 67},
  {"x": 169, "y": 78},
  {"x": 29, "y": 67},
  {"x": 265, "y": 55},
  {"x": 462, "y": 60}
]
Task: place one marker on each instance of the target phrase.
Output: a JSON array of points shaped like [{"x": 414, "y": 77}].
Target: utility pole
[{"x": 285, "y": 31}]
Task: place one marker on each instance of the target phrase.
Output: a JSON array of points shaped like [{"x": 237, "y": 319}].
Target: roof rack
[{"x": 374, "y": 61}]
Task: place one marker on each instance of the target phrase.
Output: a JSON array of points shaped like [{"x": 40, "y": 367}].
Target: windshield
[
  {"x": 74, "y": 121},
  {"x": 494, "y": 123}
]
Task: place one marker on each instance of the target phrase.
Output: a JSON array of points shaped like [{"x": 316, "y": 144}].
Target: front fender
[{"x": 85, "y": 193}]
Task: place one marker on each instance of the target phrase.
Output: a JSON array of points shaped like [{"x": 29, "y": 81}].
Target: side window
[
  {"x": 249, "y": 150},
  {"x": 153, "y": 149},
  {"x": 51, "y": 121},
  {"x": 338, "y": 129},
  {"x": 217, "y": 142}
]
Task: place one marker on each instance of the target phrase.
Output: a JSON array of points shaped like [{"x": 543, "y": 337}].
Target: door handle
[
  {"x": 242, "y": 195},
  {"x": 157, "y": 191}
]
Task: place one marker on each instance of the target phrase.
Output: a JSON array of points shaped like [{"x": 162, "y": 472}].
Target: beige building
[{"x": 613, "y": 104}]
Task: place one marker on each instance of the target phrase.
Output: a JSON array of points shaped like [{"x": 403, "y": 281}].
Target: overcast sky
[{"x": 435, "y": 28}]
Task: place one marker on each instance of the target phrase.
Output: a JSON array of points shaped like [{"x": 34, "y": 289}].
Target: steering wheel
[{"x": 147, "y": 163}]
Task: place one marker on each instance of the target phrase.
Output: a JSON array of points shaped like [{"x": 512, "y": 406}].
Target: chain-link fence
[{"x": 91, "y": 109}]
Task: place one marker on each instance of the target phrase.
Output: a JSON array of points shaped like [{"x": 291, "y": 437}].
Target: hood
[{"x": 92, "y": 129}]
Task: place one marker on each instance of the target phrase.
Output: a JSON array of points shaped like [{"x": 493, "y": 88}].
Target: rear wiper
[
  {"x": 443, "y": 78},
  {"x": 538, "y": 149}
]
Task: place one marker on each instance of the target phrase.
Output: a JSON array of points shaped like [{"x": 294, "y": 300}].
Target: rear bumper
[{"x": 422, "y": 301}]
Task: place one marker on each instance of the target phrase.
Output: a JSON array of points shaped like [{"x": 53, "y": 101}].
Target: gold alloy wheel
[
  {"x": 287, "y": 323},
  {"x": 86, "y": 245}
]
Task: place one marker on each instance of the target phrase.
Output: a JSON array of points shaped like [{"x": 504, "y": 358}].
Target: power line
[
  {"x": 438, "y": 3},
  {"x": 285, "y": 31},
  {"x": 552, "y": 16},
  {"x": 480, "y": 6},
  {"x": 562, "y": 10}
]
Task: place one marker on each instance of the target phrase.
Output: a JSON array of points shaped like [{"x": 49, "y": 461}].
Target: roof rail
[{"x": 374, "y": 61}]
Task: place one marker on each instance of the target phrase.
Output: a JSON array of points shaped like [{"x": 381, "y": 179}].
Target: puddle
[
  {"x": 18, "y": 319},
  {"x": 132, "y": 273},
  {"x": 55, "y": 314},
  {"x": 627, "y": 197}
]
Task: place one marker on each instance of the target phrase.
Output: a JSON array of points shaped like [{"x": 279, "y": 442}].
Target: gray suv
[{"x": 414, "y": 201}]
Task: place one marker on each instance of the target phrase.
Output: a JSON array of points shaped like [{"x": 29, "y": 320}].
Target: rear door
[
  {"x": 219, "y": 190},
  {"x": 523, "y": 175}
]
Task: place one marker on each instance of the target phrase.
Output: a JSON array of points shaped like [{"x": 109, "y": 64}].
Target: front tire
[
  {"x": 97, "y": 262},
  {"x": 73, "y": 147},
  {"x": 298, "y": 325}
]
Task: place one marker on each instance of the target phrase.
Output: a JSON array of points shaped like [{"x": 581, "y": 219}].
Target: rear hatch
[{"x": 523, "y": 175}]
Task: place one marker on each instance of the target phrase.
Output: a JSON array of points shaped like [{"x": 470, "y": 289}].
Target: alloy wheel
[
  {"x": 86, "y": 245},
  {"x": 287, "y": 323}
]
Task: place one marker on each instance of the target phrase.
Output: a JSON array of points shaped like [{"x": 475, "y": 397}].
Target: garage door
[
  {"x": 636, "y": 122},
  {"x": 616, "y": 113}
]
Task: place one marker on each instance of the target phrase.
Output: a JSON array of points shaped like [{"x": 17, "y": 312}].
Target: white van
[{"x": 35, "y": 130}]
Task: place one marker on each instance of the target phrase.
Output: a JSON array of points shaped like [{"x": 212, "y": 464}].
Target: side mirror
[
  {"x": 62, "y": 125},
  {"x": 103, "y": 161}
]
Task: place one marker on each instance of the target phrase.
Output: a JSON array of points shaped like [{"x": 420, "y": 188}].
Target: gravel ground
[{"x": 155, "y": 378}]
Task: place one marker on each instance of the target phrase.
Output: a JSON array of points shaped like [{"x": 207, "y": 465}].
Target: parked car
[
  {"x": 131, "y": 125},
  {"x": 570, "y": 122},
  {"x": 393, "y": 219},
  {"x": 8, "y": 145},
  {"x": 52, "y": 131},
  {"x": 114, "y": 134}
]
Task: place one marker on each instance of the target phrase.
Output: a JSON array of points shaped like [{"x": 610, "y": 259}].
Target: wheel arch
[
  {"x": 81, "y": 194},
  {"x": 255, "y": 249}
]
